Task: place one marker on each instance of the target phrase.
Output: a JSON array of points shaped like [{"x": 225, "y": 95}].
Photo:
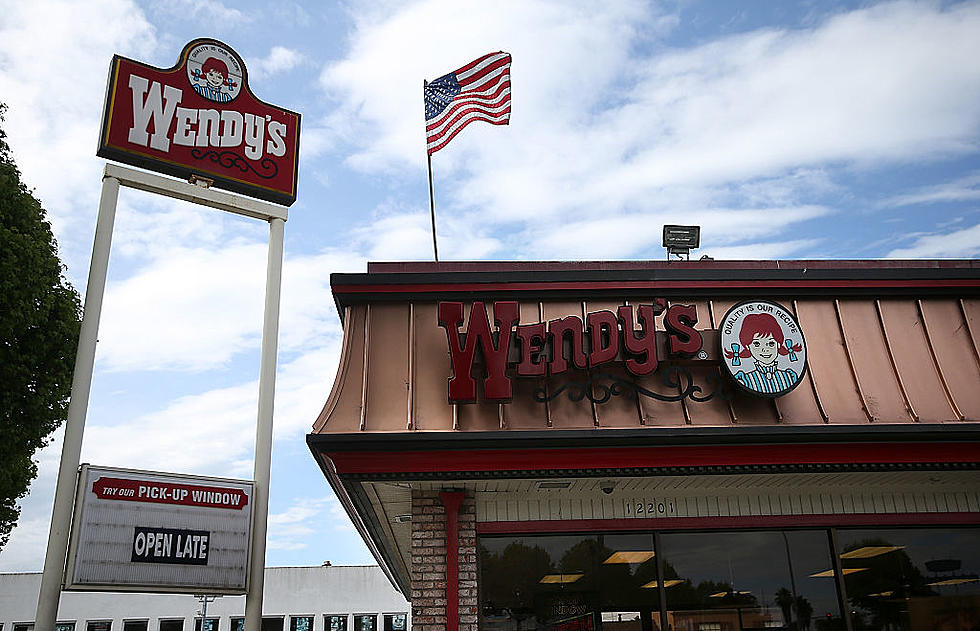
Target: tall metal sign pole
[
  {"x": 81, "y": 385},
  {"x": 199, "y": 121}
]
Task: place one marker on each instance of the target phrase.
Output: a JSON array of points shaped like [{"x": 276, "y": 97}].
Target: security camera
[{"x": 607, "y": 486}]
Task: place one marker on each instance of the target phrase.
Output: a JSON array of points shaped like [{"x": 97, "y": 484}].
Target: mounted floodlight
[{"x": 680, "y": 240}]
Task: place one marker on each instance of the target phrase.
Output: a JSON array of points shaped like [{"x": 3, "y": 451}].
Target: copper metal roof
[{"x": 887, "y": 342}]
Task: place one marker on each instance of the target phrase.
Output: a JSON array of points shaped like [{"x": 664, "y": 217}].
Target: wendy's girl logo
[
  {"x": 215, "y": 72},
  {"x": 763, "y": 347}
]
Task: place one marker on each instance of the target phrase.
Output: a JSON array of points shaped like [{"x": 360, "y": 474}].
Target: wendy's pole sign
[
  {"x": 200, "y": 122},
  {"x": 199, "y": 119}
]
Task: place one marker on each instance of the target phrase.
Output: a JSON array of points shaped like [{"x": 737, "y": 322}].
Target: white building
[{"x": 325, "y": 598}]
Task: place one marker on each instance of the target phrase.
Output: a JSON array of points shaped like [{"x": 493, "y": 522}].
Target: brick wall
[{"x": 429, "y": 563}]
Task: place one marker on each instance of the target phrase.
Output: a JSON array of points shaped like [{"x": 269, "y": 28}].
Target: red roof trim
[
  {"x": 701, "y": 523},
  {"x": 652, "y": 285},
  {"x": 368, "y": 462}
]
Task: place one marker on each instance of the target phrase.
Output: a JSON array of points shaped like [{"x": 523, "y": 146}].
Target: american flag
[{"x": 479, "y": 91}]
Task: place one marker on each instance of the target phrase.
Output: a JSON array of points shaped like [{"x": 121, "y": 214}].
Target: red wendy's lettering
[
  {"x": 681, "y": 319},
  {"x": 645, "y": 348},
  {"x": 605, "y": 337},
  {"x": 551, "y": 348},
  {"x": 567, "y": 328},
  {"x": 533, "y": 339},
  {"x": 462, "y": 387}
]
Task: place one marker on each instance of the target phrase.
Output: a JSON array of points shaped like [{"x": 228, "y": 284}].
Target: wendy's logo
[
  {"x": 763, "y": 348},
  {"x": 215, "y": 72}
]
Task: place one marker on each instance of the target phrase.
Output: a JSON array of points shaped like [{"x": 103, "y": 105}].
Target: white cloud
[
  {"x": 196, "y": 308},
  {"x": 211, "y": 433},
  {"x": 204, "y": 11},
  {"x": 757, "y": 251},
  {"x": 963, "y": 243},
  {"x": 305, "y": 518},
  {"x": 598, "y": 131},
  {"x": 639, "y": 234},
  {"x": 193, "y": 309},
  {"x": 279, "y": 60},
  {"x": 961, "y": 189},
  {"x": 54, "y": 57},
  {"x": 25, "y": 549}
]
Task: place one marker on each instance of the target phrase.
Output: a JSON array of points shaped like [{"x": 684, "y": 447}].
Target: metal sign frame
[
  {"x": 75, "y": 533},
  {"x": 55, "y": 556}
]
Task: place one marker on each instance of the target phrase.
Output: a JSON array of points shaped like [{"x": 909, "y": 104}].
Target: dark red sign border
[{"x": 176, "y": 169}]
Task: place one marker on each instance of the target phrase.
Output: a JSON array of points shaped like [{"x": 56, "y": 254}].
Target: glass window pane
[
  {"x": 238, "y": 624},
  {"x": 171, "y": 625},
  {"x": 24, "y": 627},
  {"x": 272, "y": 624},
  {"x": 365, "y": 622},
  {"x": 395, "y": 622},
  {"x": 65, "y": 626},
  {"x": 568, "y": 580},
  {"x": 132, "y": 625},
  {"x": 99, "y": 625},
  {"x": 301, "y": 623},
  {"x": 211, "y": 625},
  {"x": 912, "y": 579},
  {"x": 749, "y": 580},
  {"x": 335, "y": 623}
]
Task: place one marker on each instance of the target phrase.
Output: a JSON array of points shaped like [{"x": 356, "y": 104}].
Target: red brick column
[{"x": 431, "y": 610}]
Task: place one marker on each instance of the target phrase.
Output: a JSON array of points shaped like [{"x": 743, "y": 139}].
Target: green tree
[{"x": 39, "y": 323}]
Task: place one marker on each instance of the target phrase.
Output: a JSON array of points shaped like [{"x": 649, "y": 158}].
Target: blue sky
[{"x": 806, "y": 130}]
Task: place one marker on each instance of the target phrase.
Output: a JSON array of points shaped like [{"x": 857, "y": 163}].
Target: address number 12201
[{"x": 644, "y": 508}]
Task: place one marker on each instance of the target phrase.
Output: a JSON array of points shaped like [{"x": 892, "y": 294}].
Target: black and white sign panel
[{"x": 159, "y": 532}]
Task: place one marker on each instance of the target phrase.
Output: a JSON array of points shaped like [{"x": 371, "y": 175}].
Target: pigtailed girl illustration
[
  {"x": 216, "y": 80},
  {"x": 762, "y": 339}
]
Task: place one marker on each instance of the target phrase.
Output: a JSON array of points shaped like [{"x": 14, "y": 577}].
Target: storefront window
[
  {"x": 569, "y": 582},
  {"x": 912, "y": 579},
  {"x": 749, "y": 580}
]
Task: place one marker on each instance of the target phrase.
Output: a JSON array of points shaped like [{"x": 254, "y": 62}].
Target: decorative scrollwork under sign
[
  {"x": 674, "y": 378},
  {"x": 230, "y": 159}
]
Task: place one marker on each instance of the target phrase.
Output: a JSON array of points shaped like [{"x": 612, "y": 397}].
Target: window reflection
[
  {"x": 749, "y": 580},
  {"x": 569, "y": 582},
  {"x": 912, "y": 579}
]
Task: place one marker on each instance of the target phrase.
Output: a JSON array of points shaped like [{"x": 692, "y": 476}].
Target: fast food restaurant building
[{"x": 692, "y": 446}]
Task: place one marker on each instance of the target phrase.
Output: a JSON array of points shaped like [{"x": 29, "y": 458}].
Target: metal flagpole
[
  {"x": 432, "y": 199},
  {"x": 432, "y": 210}
]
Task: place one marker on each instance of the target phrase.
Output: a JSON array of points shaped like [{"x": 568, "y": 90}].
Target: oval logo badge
[
  {"x": 215, "y": 72},
  {"x": 763, "y": 348}
]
